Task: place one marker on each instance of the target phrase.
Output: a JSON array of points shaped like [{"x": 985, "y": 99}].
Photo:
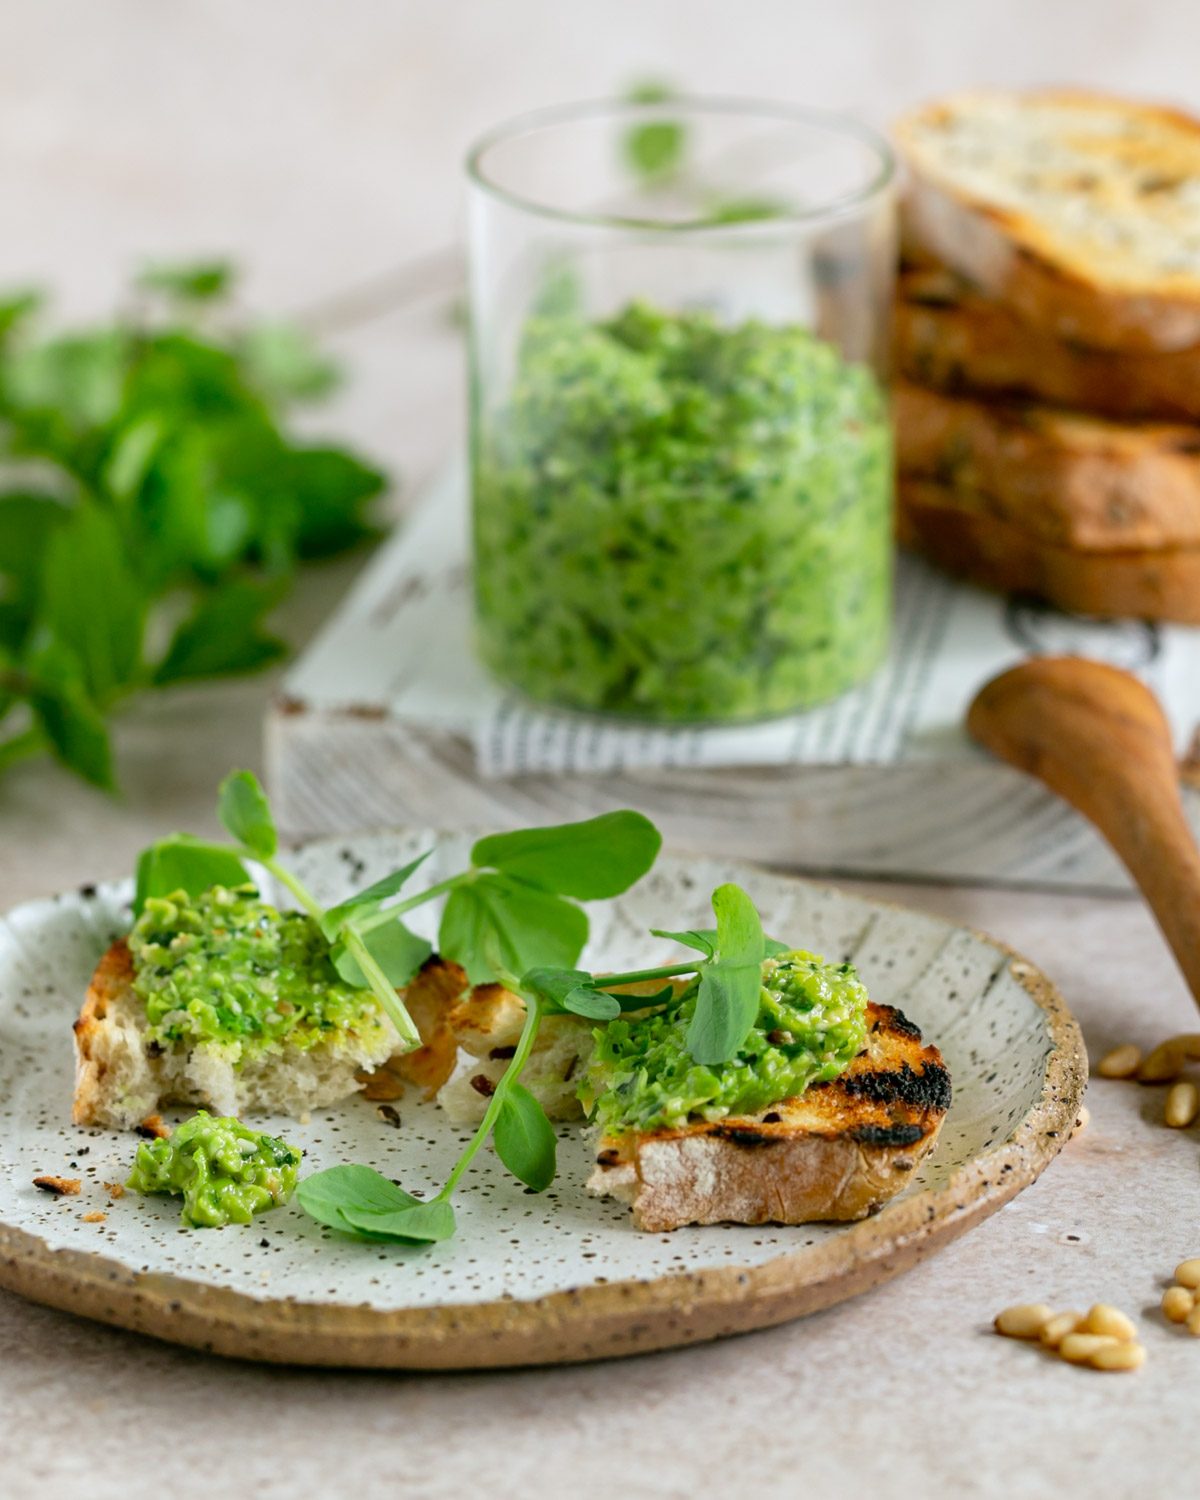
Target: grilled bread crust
[
  {"x": 959, "y": 531},
  {"x": 1074, "y": 208},
  {"x": 1067, "y": 479},
  {"x": 950, "y": 337},
  {"x": 838, "y": 1151}
]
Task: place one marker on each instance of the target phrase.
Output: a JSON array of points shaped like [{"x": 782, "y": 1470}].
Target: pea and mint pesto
[
  {"x": 224, "y": 1171},
  {"x": 227, "y": 969},
  {"x": 680, "y": 519},
  {"x": 811, "y": 1023}
]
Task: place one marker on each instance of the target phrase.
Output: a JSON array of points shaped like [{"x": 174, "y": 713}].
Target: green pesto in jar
[
  {"x": 679, "y": 519},
  {"x": 226, "y": 969},
  {"x": 224, "y": 1171},
  {"x": 811, "y": 1024}
]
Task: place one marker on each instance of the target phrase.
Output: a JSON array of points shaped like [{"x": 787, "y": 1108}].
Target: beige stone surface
[{"x": 320, "y": 143}]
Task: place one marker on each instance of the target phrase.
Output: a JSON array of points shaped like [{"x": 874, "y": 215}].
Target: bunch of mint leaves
[{"x": 153, "y": 505}]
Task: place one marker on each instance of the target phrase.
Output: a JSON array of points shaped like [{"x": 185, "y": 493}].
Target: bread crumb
[
  {"x": 59, "y": 1186},
  {"x": 94, "y": 1218},
  {"x": 115, "y": 1189},
  {"x": 153, "y": 1128}
]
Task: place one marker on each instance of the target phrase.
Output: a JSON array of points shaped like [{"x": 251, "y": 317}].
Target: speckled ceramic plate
[{"x": 529, "y": 1278}]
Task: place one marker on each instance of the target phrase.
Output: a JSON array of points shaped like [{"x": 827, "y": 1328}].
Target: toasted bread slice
[
  {"x": 121, "y": 1077},
  {"x": 959, "y": 531},
  {"x": 838, "y": 1151},
  {"x": 1079, "y": 210},
  {"x": 1067, "y": 479},
  {"x": 951, "y": 337}
]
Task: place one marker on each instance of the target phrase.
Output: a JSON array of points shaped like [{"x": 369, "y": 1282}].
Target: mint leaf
[
  {"x": 398, "y": 951},
  {"x": 223, "y": 635},
  {"x": 367, "y": 902},
  {"x": 91, "y": 602},
  {"x": 496, "y": 923},
  {"x": 245, "y": 813},
  {"x": 201, "y": 282},
  {"x": 729, "y": 996},
  {"x": 184, "y": 863},
  {"x": 590, "y": 861},
  {"x": 524, "y": 1139},
  {"x": 282, "y": 361},
  {"x": 70, "y": 720}
]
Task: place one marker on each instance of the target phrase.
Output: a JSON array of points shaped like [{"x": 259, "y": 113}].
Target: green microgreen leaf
[
  {"x": 397, "y": 950},
  {"x": 524, "y": 1138},
  {"x": 245, "y": 813},
  {"x": 496, "y": 924},
  {"x": 418, "y": 1224},
  {"x": 325, "y": 1195},
  {"x": 728, "y": 1000},
  {"x": 572, "y": 990},
  {"x": 590, "y": 861},
  {"x": 655, "y": 150},
  {"x": 200, "y": 282},
  {"x": 367, "y": 902},
  {"x": 184, "y": 863},
  {"x": 701, "y": 940}
]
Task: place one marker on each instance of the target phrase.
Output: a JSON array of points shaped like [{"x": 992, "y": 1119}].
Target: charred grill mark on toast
[
  {"x": 891, "y": 1021},
  {"x": 887, "y": 1135},
  {"x": 927, "y": 1090}
]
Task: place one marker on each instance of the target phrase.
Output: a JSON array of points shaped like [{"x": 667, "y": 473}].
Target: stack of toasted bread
[{"x": 1048, "y": 349}]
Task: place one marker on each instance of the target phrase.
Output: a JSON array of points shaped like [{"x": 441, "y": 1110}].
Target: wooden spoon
[{"x": 1098, "y": 737}]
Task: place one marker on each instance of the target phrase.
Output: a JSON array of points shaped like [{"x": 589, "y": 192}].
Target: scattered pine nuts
[
  {"x": 1059, "y": 1327},
  {"x": 1187, "y": 1273},
  {"x": 1163, "y": 1064},
  {"x": 1126, "y": 1355},
  {"x": 1177, "y": 1304},
  {"x": 1025, "y": 1321},
  {"x": 1121, "y": 1062},
  {"x": 1110, "y": 1321},
  {"x": 1079, "y": 1348},
  {"x": 1182, "y": 1106}
]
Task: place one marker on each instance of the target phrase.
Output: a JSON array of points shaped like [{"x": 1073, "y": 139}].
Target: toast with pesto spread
[
  {"x": 222, "y": 1002},
  {"x": 837, "y": 1151},
  {"x": 1078, "y": 210}
]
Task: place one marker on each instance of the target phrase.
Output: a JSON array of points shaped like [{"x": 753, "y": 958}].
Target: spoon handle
[{"x": 1099, "y": 738}]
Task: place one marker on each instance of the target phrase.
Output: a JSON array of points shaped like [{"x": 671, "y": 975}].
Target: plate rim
[{"x": 598, "y": 1321}]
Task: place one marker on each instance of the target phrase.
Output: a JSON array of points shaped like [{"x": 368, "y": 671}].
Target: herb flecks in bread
[{"x": 1079, "y": 210}]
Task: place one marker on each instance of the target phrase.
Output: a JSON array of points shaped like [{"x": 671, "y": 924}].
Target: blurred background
[{"x": 319, "y": 147}]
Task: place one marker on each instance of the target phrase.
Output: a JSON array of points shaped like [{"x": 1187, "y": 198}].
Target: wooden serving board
[{"x": 387, "y": 720}]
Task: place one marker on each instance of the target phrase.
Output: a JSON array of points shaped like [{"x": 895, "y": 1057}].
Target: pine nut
[
  {"x": 1123, "y": 1356},
  {"x": 1193, "y": 1321},
  {"x": 1080, "y": 1348},
  {"x": 1177, "y": 1303},
  {"x": 1025, "y": 1321},
  {"x": 1182, "y": 1106},
  {"x": 1163, "y": 1064},
  {"x": 1187, "y": 1273},
  {"x": 1105, "y": 1319},
  {"x": 1059, "y": 1327},
  {"x": 1188, "y": 1044},
  {"x": 1121, "y": 1062}
]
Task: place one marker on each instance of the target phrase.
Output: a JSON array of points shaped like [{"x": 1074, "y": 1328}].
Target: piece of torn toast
[{"x": 838, "y": 1151}]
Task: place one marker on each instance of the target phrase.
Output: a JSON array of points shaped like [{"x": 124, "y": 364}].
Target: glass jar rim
[{"x": 830, "y": 121}]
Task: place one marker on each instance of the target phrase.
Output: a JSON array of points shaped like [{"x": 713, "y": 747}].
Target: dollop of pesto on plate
[
  {"x": 224, "y": 1171},
  {"x": 681, "y": 519},
  {"x": 228, "y": 969},
  {"x": 811, "y": 1024}
]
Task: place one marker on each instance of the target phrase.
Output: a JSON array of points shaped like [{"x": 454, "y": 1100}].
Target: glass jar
[{"x": 680, "y": 446}]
